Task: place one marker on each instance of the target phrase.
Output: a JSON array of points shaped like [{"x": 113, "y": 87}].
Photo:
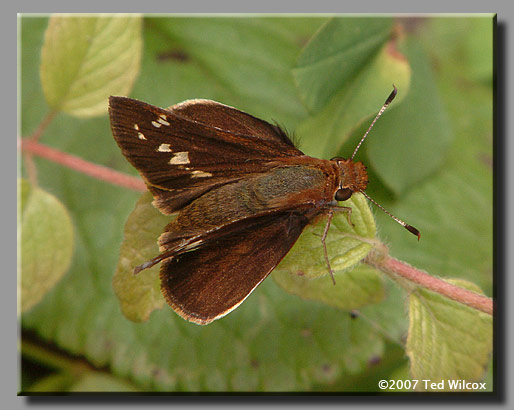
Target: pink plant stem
[
  {"x": 467, "y": 297},
  {"x": 43, "y": 125},
  {"x": 78, "y": 164},
  {"x": 29, "y": 161}
]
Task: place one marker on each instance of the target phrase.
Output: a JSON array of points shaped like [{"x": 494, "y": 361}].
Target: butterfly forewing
[
  {"x": 214, "y": 114},
  {"x": 193, "y": 147}
]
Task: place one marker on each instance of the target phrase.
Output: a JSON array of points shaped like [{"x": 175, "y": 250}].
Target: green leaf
[
  {"x": 388, "y": 316},
  {"x": 479, "y": 48},
  {"x": 447, "y": 340},
  {"x": 55, "y": 382},
  {"x": 453, "y": 208},
  {"x": 46, "y": 236},
  {"x": 273, "y": 341},
  {"x": 30, "y": 41},
  {"x": 335, "y": 54},
  {"x": 355, "y": 102},
  {"x": 411, "y": 141},
  {"x": 346, "y": 247},
  {"x": 101, "y": 382},
  {"x": 140, "y": 294},
  {"x": 464, "y": 47},
  {"x": 400, "y": 380},
  {"x": 242, "y": 62},
  {"x": 355, "y": 288},
  {"x": 86, "y": 59},
  {"x": 88, "y": 381}
]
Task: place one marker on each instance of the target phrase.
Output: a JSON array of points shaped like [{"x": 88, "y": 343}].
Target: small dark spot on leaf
[
  {"x": 156, "y": 372},
  {"x": 354, "y": 314},
  {"x": 300, "y": 273},
  {"x": 486, "y": 159},
  {"x": 326, "y": 373},
  {"x": 108, "y": 345},
  {"x": 374, "y": 360},
  {"x": 254, "y": 363},
  {"x": 306, "y": 332},
  {"x": 175, "y": 54}
]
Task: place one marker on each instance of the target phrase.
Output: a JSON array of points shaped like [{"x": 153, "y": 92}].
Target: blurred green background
[{"x": 429, "y": 159}]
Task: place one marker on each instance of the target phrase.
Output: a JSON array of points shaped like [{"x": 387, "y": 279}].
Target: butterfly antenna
[
  {"x": 410, "y": 228},
  {"x": 387, "y": 102}
]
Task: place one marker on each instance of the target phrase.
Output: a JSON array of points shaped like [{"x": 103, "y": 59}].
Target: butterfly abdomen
[{"x": 248, "y": 198}]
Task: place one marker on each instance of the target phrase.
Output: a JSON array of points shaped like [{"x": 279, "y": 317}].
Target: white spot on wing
[
  {"x": 139, "y": 134},
  {"x": 163, "y": 119},
  {"x": 164, "y": 148},
  {"x": 179, "y": 158},
  {"x": 156, "y": 124},
  {"x": 200, "y": 174}
]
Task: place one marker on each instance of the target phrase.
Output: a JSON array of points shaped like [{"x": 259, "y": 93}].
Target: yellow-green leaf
[
  {"x": 304, "y": 271},
  {"x": 447, "y": 341},
  {"x": 86, "y": 59},
  {"x": 139, "y": 295},
  {"x": 46, "y": 242},
  {"x": 101, "y": 382},
  {"x": 355, "y": 288}
]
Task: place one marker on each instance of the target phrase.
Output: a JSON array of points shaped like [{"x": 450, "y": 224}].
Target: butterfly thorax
[
  {"x": 281, "y": 188},
  {"x": 353, "y": 174}
]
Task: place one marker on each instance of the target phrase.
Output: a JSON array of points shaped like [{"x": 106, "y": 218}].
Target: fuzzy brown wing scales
[
  {"x": 213, "y": 113},
  {"x": 181, "y": 155},
  {"x": 210, "y": 281}
]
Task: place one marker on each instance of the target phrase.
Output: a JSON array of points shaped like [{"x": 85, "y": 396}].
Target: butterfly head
[{"x": 353, "y": 177}]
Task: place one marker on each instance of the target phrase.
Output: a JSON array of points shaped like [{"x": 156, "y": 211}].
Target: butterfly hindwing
[
  {"x": 193, "y": 147},
  {"x": 208, "y": 282}
]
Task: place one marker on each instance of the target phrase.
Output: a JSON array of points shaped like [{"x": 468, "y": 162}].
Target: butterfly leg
[
  {"x": 347, "y": 210},
  {"x": 330, "y": 215},
  {"x": 323, "y": 241}
]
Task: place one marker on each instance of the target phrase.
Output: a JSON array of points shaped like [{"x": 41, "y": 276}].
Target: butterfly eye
[{"x": 343, "y": 194}]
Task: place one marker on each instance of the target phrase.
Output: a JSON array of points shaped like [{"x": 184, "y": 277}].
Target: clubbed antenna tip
[
  {"x": 410, "y": 228},
  {"x": 413, "y": 230},
  {"x": 380, "y": 112},
  {"x": 391, "y": 96}
]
